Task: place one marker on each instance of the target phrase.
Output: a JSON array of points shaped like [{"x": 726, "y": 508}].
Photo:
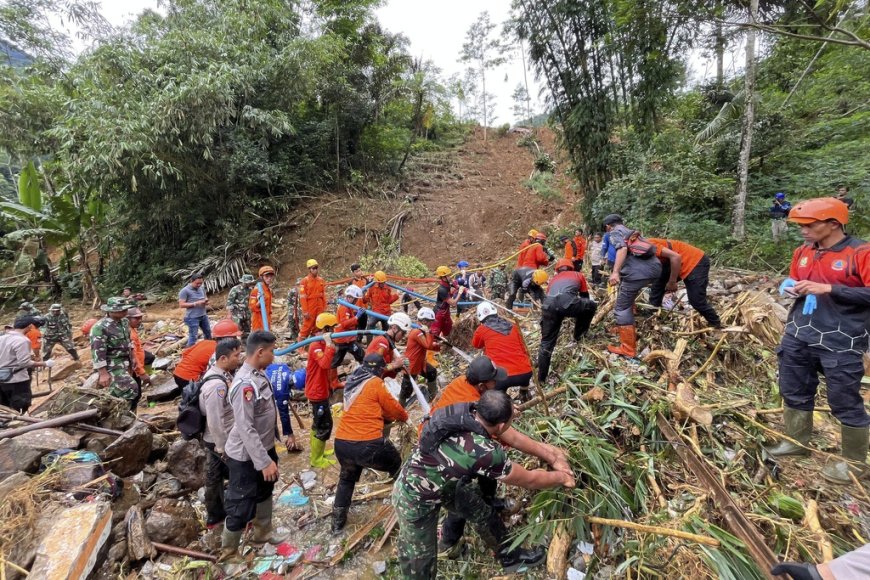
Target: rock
[
  {"x": 186, "y": 461},
  {"x": 164, "y": 391},
  {"x": 379, "y": 567},
  {"x": 129, "y": 452},
  {"x": 92, "y": 382},
  {"x": 159, "y": 447},
  {"x": 50, "y": 440},
  {"x": 130, "y": 496},
  {"x": 167, "y": 486},
  {"x": 161, "y": 423},
  {"x": 97, "y": 442},
  {"x": 172, "y": 521},
  {"x": 117, "y": 554},
  {"x": 162, "y": 364},
  {"x": 64, "y": 368},
  {"x": 12, "y": 483},
  {"x": 70, "y": 549},
  {"x": 138, "y": 544},
  {"x": 145, "y": 478},
  {"x": 16, "y": 456}
]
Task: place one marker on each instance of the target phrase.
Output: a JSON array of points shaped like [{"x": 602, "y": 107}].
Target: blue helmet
[
  {"x": 299, "y": 379},
  {"x": 779, "y": 195},
  {"x": 462, "y": 264}
]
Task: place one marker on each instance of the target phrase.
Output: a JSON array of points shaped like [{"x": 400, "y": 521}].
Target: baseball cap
[{"x": 482, "y": 369}]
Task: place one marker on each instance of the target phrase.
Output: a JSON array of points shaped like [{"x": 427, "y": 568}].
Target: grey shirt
[
  {"x": 190, "y": 294},
  {"x": 215, "y": 406},
  {"x": 254, "y": 432},
  {"x": 16, "y": 353},
  {"x": 634, "y": 268}
]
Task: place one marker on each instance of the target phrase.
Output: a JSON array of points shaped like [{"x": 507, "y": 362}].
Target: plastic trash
[{"x": 293, "y": 497}]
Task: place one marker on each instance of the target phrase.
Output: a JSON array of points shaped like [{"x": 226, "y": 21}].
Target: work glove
[
  {"x": 359, "y": 311},
  {"x": 797, "y": 570},
  {"x": 810, "y": 304},
  {"x": 49, "y": 363},
  {"x": 786, "y": 284}
]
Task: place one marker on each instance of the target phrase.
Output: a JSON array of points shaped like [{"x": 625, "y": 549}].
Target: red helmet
[
  {"x": 226, "y": 328},
  {"x": 541, "y": 237},
  {"x": 88, "y": 325},
  {"x": 819, "y": 210},
  {"x": 564, "y": 264}
]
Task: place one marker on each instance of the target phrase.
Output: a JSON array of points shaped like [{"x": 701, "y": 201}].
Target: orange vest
[
  {"x": 419, "y": 344},
  {"x": 381, "y": 299},
  {"x": 689, "y": 254},
  {"x": 364, "y": 420},
  {"x": 254, "y": 305},
  {"x": 138, "y": 353},
  {"x": 194, "y": 360}
]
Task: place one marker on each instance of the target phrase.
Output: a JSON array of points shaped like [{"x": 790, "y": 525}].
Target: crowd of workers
[{"x": 243, "y": 392}]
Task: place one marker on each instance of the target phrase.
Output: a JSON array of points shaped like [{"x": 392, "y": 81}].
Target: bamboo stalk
[
  {"x": 184, "y": 552},
  {"x": 557, "y": 555},
  {"x": 812, "y": 521},
  {"x": 709, "y": 359},
  {"x": 56, "y": 422},
  {"x": 698, "y": 539}
]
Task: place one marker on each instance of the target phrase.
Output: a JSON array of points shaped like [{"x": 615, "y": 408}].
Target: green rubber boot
[
  {"x": 854, "y": 442},
  {"x": 229, "y": 546},
  {"x": 262, "y": 525},
  {"x": 798, "y": 426},
  {"x": 317, "y": 458}
]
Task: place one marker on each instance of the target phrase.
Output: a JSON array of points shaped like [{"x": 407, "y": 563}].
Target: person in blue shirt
[
  {"x": 778, "y": 214},
  {"x": 609, "y": 250},
  {"x": 284, "y": 381},
  {"x": 462, "y": 280}
]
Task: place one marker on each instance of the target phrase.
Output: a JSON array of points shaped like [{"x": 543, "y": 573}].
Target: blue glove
[
  {"x": 359, "y": 311},
  {"x": 810, "y": 304},
  {"x": 787, "y": 283}
]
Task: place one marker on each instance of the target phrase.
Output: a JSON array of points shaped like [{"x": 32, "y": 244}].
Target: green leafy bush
[{"x": 542, "y": 184}]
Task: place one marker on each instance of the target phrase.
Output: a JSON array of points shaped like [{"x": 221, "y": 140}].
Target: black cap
[
  {"x": 375, "y": 363},
  {"x": 613, "y": 218},
  {"x": 482, "y": 369},
  {"x": 26, "y": 321},
  {"x": 354, "y": 267}
]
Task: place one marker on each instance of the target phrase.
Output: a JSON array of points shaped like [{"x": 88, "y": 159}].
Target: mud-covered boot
[
  {"x": 229, "y": 545},
  {"x": 798, "y": 426},
  {"x": 262, "y": 525},
  {"x": 339, "y": 518},
  {"x": 854, "y": 442}
]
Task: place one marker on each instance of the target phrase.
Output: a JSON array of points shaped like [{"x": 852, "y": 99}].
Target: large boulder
[
  {"x": 12, "y": 483},
  {"x": 17, "y": 456},
  {"x": 70, "y": 549},
  {"x": 172, "y": 521},
  {"x": 50, "y": 440},
  {"x": 64, "y": 368},
  {"x": 186, "y": 460},
  {"x": 138, "y": 544},
  {"x": 163, "y": 391},
  {"x": 128, "y": 454}
]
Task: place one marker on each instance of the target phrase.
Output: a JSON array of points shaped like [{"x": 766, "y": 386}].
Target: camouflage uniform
[
  {"x": 57, "y": 329},
  {"x": 293, "y": 313},
  {"x": 237, "y": 305},
  {"x": 428, "y": 483},
  {"x": 498, "y": 283},
  {"x": 112, "y": 349},
  {"x": 27, "y": 309}
]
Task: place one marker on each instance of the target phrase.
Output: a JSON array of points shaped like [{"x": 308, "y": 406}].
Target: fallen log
[
  {"x": 557, "y": 554},
  {"x": 56, "y": 422},
  {"x": 593, "y": 394},
  {"x": 184, "y": 552},
  {"x": 698, "y": 539},
  {"x": 734, "y": 517},
  {"x": 79, "y": 426}
]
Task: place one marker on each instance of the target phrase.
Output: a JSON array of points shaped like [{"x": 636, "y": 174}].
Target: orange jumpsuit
[
  {"x": 534, "y": 257},
  {"x": 312, "y": 301},
  {"x": 381, "y": 298},
  {"x": 254, "y": 305},
  {"x": 520, "y": 256},
  {"x": 35, "y": 336},
  {"x": 138, "y": 353}
]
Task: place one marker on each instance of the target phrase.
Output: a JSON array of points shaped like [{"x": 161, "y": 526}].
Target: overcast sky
[{"x": 437, "y": 30}]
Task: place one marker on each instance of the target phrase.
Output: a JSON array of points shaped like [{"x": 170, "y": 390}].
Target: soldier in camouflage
[
  {"x": 498, "y": 282},
  {"x": 293, "y": 312},
  {"x": 458, "y": 445},
  {"x": 237, "y": 304},
  {"x": 111, "y": 350},
  {"x": 27, "y": 309},
  {"x": 57, "y": 330}
]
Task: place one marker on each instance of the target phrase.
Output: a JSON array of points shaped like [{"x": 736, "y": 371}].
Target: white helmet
[
  {"x": 353, "y": 291},
  {"x": 425, "y": 314},
  {"x": 400, "y": 319},
  {"x": 485, "y": 310}
]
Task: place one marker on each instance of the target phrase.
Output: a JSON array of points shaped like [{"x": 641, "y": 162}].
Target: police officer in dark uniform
[{"x": 826, "y": 333}]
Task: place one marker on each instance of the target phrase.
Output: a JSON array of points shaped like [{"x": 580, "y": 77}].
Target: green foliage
[
  {"x": 503, "y": 129},
  {"x": 542, "y": 184},
  {"x": 544, "y": 163},
  {"x": 388, "y": 259}
]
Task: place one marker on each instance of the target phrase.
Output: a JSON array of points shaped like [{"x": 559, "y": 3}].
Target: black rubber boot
[
  {"x": 339, "y": 518},
  {"x": 521, "y": 559}
]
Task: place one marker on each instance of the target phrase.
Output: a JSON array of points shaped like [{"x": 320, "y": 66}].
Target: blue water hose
[
  {"x": 377, "y": 315},
  {"x": 307, "y": 341},
  {"x": 262, "y": 302},
  {"x": 430, "y": 299}
]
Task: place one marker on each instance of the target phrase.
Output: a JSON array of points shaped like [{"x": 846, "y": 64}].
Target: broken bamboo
[
  {"x": 593, "y": 394},
  {"x": 56, "y": 422},
  {"x": 184, "y": 552},
  {"x": 557, "y": 555},
  {"x": 79, "y": 426},
  {"x": 811, "y": 519},
  {"x": 385, "y": 512},
  {"x": 697, "y": 538}
]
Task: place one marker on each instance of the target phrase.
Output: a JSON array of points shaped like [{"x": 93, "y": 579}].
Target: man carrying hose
[
  {"x": 381, "y": 298},
  {"x": 260, "y": 299},
  {"x": 318, "y": 388},
  {"x": 502, "y": 342},
  {"x": 312, "y": 298},
  {"x": 444, "y": 299}
]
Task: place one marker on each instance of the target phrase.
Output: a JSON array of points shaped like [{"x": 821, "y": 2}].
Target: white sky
[{"x": 436, "y": 30}]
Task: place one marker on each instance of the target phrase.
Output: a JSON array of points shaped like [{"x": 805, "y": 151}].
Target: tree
[
  {"x": 738, "y": 230},
  {"x": 485, "y": 53},
  {"x": 522, "y": 108}
]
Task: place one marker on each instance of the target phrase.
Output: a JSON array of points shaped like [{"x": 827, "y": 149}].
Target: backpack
[
  {"x": 639, "y": 247},
  {"x": 191, "y": 421}
]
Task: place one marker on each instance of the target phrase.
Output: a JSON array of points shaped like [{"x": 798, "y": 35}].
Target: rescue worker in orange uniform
[
  {"x": 380, "y": 298},
  {"x": 444, "y": 299},
  {"x": 694, "y": 270},
  {"x": 312, "y": 298},
  {"x": 481, "y": 376},
  {"x": 360, "y": 280},
  {"x": 826, "y": 333},
  {"x": 261, "y": 299},
  {"x": 502, "y": 343},
  {"x": 575, "y": 248},
  {"x": 398, "y": 327},
  {"x": 195, "y": 359},
  {"x": 134, "y": 315},
  {"x": 348, "y": 319},
  {"x": 359, "y": 440},
  {"x": 536, "y": 256},
  {"x": 420, "y": 343},
  {"x": 318, "y": 388},
  {"x": 525, "y": 244}
]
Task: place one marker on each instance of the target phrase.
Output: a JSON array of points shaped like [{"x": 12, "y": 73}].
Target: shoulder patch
[
  {"x": 248, "y": 393},
  {"x": 221, "y": 392}
]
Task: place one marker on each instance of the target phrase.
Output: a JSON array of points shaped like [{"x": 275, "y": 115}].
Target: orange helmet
[
  {"x": 266, "y": 270},
  {"x": 86, "y": 327},
  {"x": 226, "y": 328},
  {"x": 380, "y": 276},
  {"x": 819, "y": 210},
  {"x": 564, "y": 264},
  {"x": 541, "y": 237}
]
